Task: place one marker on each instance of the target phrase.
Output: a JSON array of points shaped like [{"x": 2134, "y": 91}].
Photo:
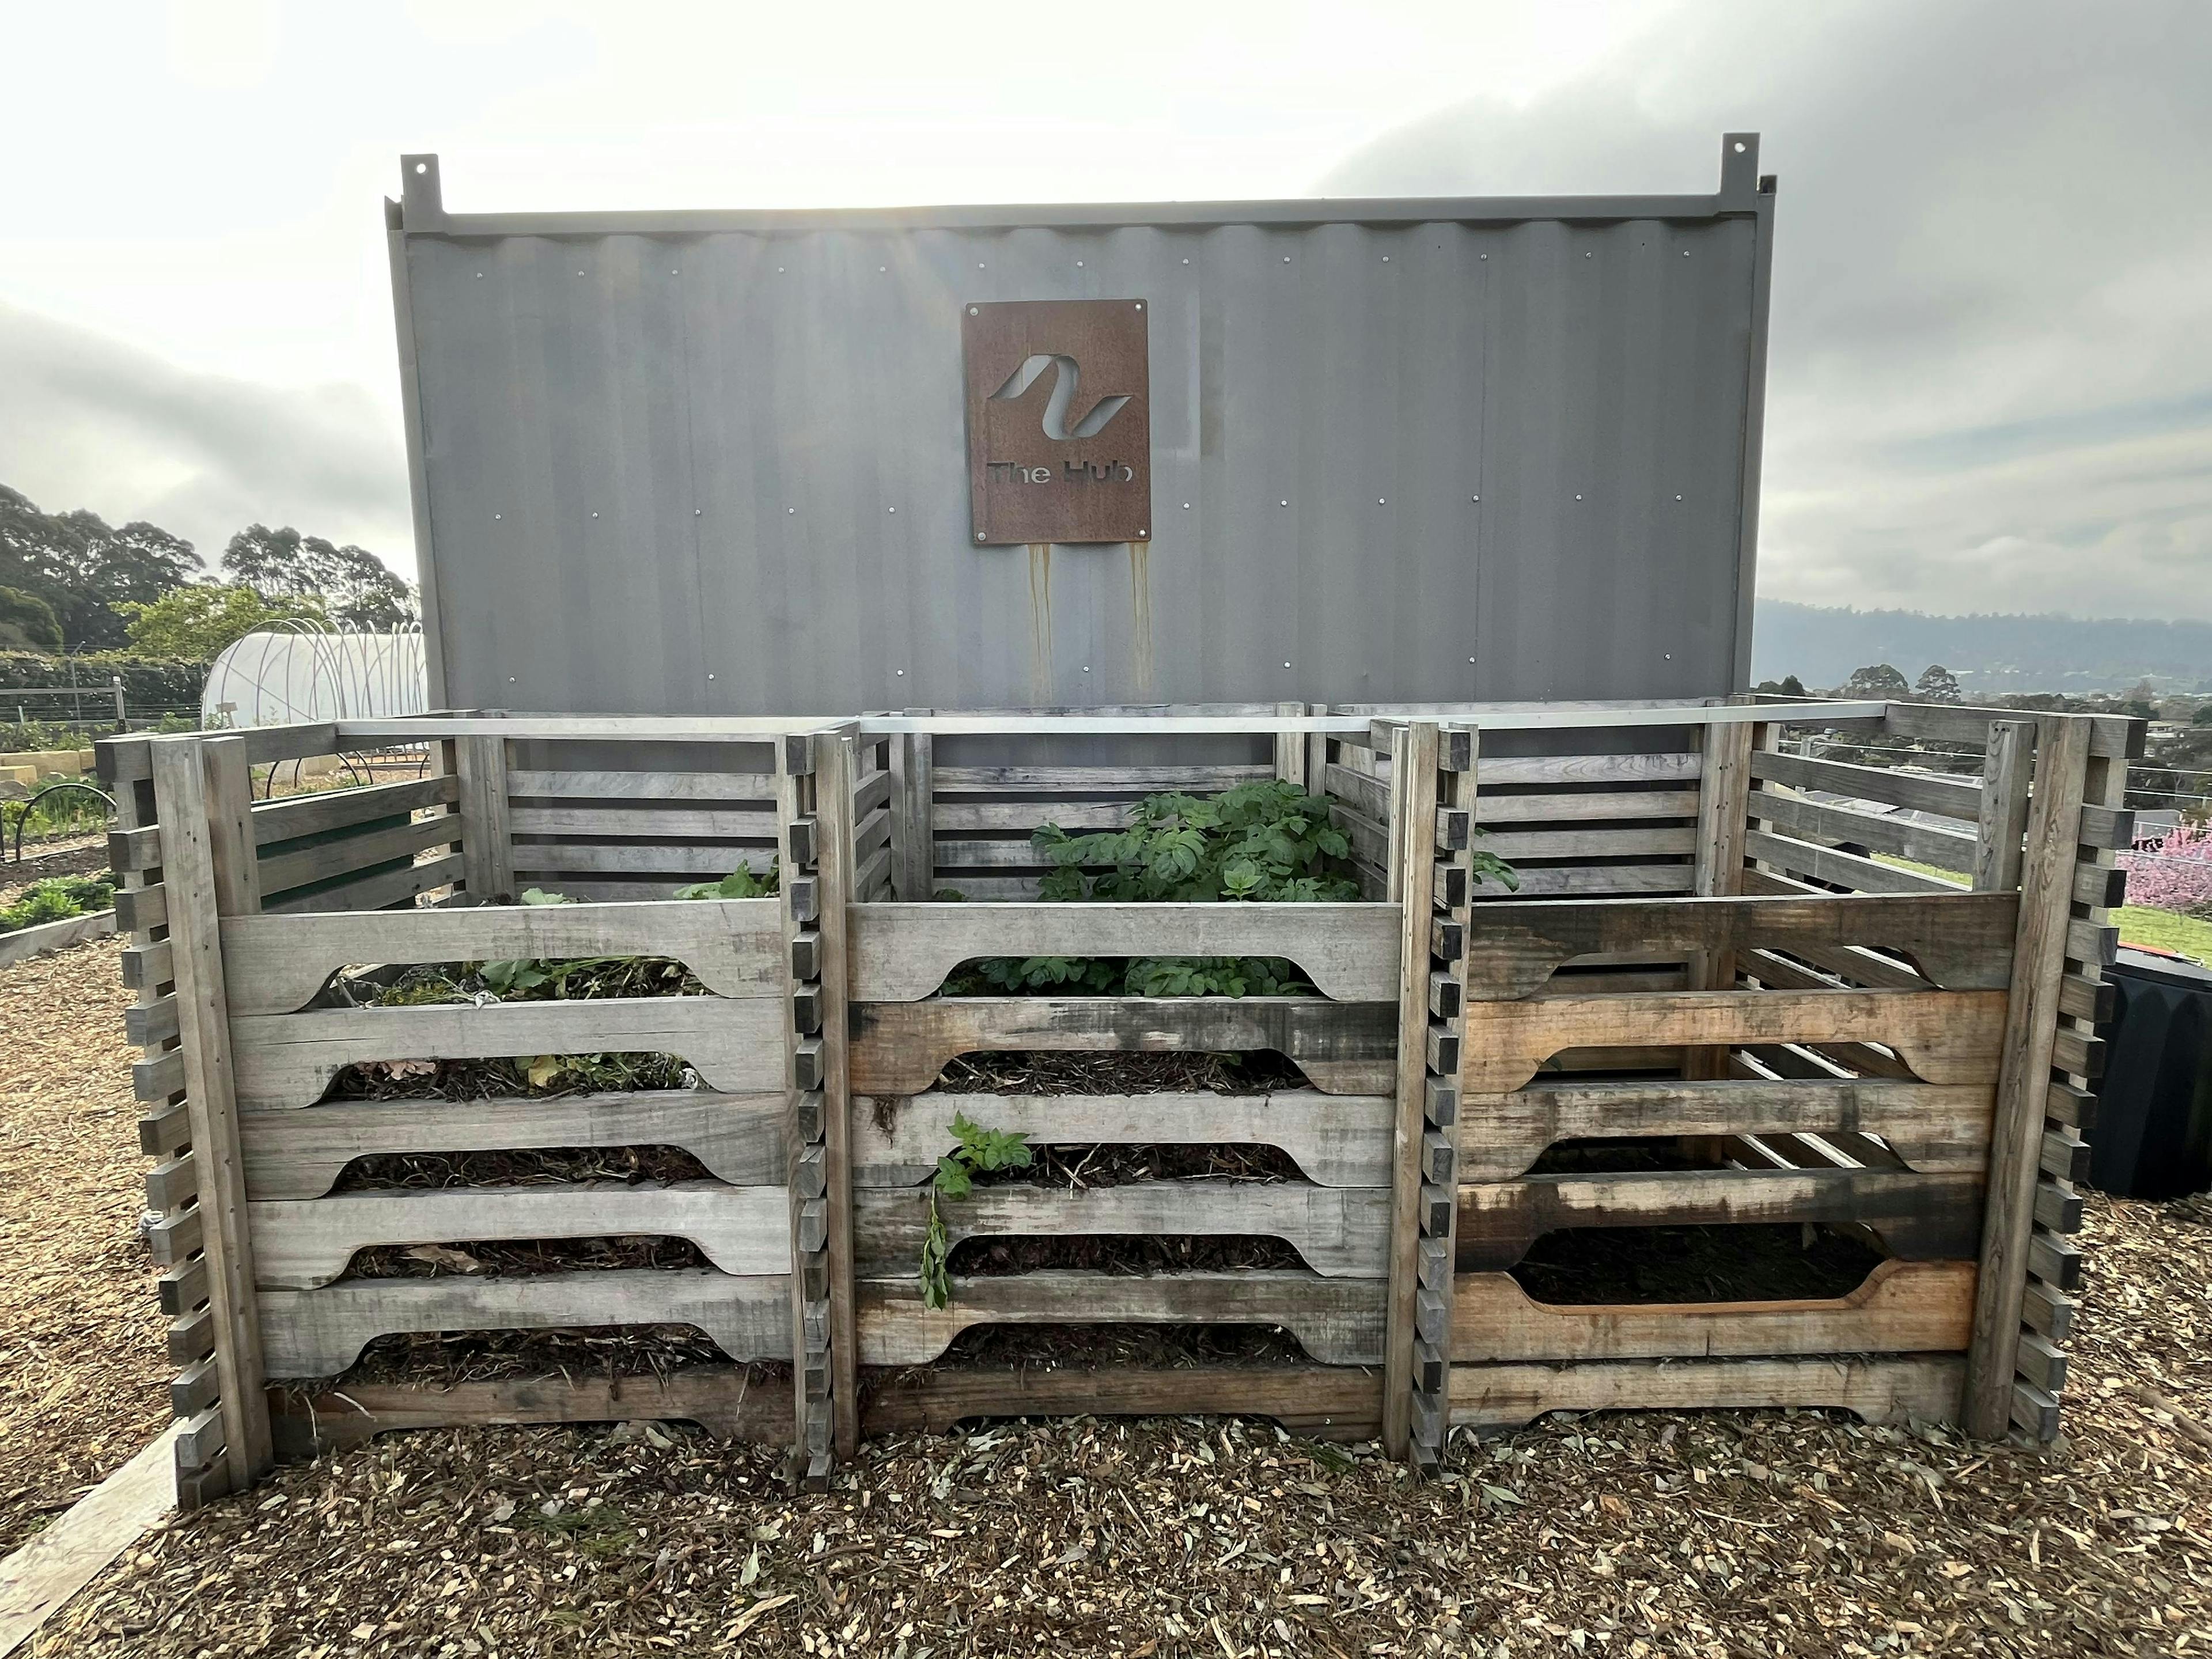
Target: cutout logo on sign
[{"x": 1043, "y": 465}]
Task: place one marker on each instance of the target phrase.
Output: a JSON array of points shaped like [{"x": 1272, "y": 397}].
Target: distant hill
[{"x": 1990, "y": 654}]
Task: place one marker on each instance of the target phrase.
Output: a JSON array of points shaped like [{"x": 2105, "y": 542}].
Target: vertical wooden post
[
  {"x": 1451, "y": 928},
  {"x": 1318, "y": 755},
  {"x": 834, "y": 768},
  {"x": 1723, "y": 810},
  {"x": 2054, "y": 824},
  {"x": 1291, "y": 755},
  {"x": 798, "y": 894},
  {"x": 1413, "y": 749},
  {"x": 1998, "y": 835},
  {"x": 914, "y": 817},
  {"x": 487, "y": 834},
  {"x": 204, "y": 794}
]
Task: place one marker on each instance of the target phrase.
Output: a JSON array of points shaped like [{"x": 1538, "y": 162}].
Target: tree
[
  {"x": 85, "y": 569},
  {"x": 1788, "y": 686},
  {"x": 1878, "y": 681},
  {"x": 28, "y": 622},
  {"x": 354, "y": 586},
  {"x": 197, "y": 622},
  {"x": 1936, "y": 683}
]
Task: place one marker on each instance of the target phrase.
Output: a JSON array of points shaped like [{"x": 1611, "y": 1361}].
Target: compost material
[
  {"x": 542, "y": 1167},
  {"x": 1117, "y": 1253},
  {"x": 1052, "y": 1072}
]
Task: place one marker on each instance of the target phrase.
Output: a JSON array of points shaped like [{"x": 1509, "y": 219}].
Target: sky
[{"x": 1990, "y": 353}]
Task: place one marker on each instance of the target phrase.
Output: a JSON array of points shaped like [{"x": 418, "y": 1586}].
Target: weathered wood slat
[
  {"x": 1017, "y": 818},
  {"x": 1963, "y": 942},
  {"x": 1516, "y": 845},
  {"x": 1325, "y": 1402},
  {"x": 1933, "y": 1128},
  {"x": 2108, "y": 829},
  {"x": 146, "y": 968},
  {"x": 280, "y": 872},
  {"x": 320, "y": 1333},
  {"x": 1848, "y": 870},
  {"x": 1343, "y": 1047},
  {"x": 1494, "y": 807},
  {"x": 1590, "y": 881},
  {"x": 322, "y": 813},
  {"x": 1339, "y": 1322},
  {"x": 287, "y": 1060},
  {"x": 1925, "y": 843},
  {"x": 341, "y": 809},
  {"x": 300, "y": 1245},
  {"x": 720, "y": 1399},
  {"x": 1904, "y": 1307},
  {"x": 901, "y": 953},
  {"x": 1918, "y": 1216},
  {"x": 374, "y": 892},
  {"x": 1508, "y": 770},
  {"x": 1080, "y": 782},
  {"x": 297, "y": 1155},
  {"x": 701, "y": 786},
  {"x": 1919, "y": 791},
  {"x": 1342, "y": 1232},
  {"x": 130, "y": 759},
  {"x": 278, "y": 963},
  {"x": 142, "y": 909},
  {"x": 1336, "y": 1141},
  {"x": 2117, "y": 737},
  {"x": 1946, "y": 1037},
  {"x": 648, "y": 823},
  {"x": 674, "y": 859},
  {"x": 1922, "y": 1388}
]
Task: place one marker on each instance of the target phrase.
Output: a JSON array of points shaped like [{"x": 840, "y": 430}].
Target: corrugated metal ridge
[{"x": 422, "y": 211}]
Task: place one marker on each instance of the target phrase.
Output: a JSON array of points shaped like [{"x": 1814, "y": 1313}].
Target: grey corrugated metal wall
[{"x": 1402, "y": 451}]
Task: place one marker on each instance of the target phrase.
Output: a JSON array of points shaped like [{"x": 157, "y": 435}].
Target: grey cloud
[
  {"x": 87, "y": 420},
  {"x": 1990, "y": 374}
]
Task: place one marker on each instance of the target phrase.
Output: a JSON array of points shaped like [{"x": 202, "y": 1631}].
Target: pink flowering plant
[{"x": 2174, "y": 873}]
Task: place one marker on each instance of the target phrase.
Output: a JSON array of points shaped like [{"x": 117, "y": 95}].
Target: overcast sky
[{"x": 1991, "y": 382}]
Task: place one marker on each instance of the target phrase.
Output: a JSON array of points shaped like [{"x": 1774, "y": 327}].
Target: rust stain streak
[
  {"x": 1041, "y": 621},
  {"x": 1140, "y": 591}
]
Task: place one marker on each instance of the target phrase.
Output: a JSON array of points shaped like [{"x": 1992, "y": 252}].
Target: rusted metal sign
[{"x": 1060, "y": 424}]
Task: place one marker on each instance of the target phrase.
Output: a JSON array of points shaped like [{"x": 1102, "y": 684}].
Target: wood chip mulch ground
[
  {"x": 1722, "y": 1534},
  {"x": 83, "y": 1378}
]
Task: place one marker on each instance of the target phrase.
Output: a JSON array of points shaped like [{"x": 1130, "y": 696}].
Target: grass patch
[{"x": 2164, "y": 930}]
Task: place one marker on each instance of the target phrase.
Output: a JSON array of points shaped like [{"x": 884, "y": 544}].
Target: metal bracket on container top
[{"x": 422, "y": 198}]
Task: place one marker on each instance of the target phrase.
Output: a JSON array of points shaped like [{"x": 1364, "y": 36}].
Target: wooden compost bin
[{"x": 1705, "y": 954}]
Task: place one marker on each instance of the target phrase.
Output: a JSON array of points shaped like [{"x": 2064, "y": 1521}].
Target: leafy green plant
[
  {"x": 977, "y": 1151},
  {"x": 1265, "y": 842},
  {"x": 1268, "y": 841},
  {"x": 56, "y": 899},
  {"x": 740, "y": 884}
]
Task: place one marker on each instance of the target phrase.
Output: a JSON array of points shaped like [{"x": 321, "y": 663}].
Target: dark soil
[
  {"x": 1623, "y": 1157},
  {"x": 1593, "y": 1265},
  {"x": 1114, "y": 1253},
  {"x": 1051, "y": 1072},
  {"x": 544, "y": 1166}
]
